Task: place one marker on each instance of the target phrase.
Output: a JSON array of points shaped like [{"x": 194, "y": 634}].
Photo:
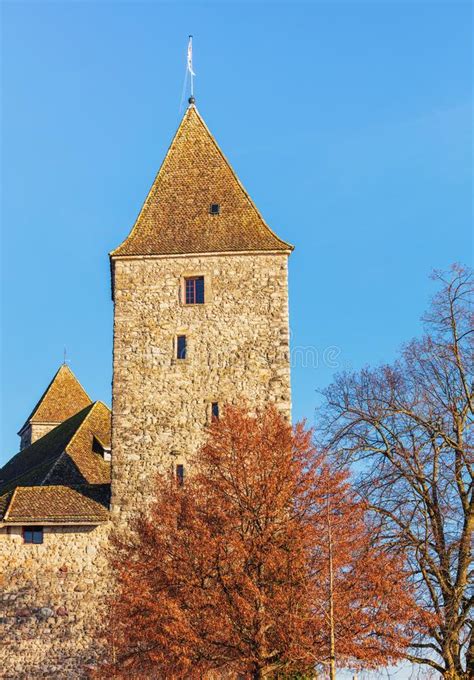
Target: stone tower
[{"x": 200, "y": 314}]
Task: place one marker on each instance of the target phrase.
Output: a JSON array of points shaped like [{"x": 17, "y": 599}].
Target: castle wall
[
  {"x": 25, "y": 438},
  {"x": 38, "y": 430},
  {"x": 52, "y": 595},
  {"x": 51, "y": 599},
  {"x": 35, "y": 431},
  {"x": 238, "y": 348}
]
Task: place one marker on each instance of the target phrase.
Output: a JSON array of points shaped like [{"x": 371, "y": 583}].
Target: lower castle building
[{"x": 200, "y": 321}]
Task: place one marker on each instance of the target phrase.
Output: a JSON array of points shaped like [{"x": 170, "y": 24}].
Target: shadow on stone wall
[{"x": 48, "y": 635}]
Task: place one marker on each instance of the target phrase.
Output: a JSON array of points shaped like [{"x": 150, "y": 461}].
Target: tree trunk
[
  {"x": 332, "y": 643},
  {"x": 452, "y": 674}
]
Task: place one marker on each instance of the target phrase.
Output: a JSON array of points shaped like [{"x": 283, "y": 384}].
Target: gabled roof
[
  {"x": 66, "y": 457},
  {"x": 63, "y": 397},
  {"x": 175, "y": 218}
]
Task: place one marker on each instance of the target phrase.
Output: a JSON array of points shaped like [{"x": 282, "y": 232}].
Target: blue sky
[{"x": 348, "y": 123}]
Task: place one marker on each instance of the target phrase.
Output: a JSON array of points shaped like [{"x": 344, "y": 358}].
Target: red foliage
[{"x": 230, "y": 571}]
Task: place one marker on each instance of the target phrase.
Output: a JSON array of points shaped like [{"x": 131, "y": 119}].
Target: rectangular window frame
[
  {"x": 181, "y": 347},
  {"x": 194, "y": 290},
  {"x": 195, "y": 274},
  {"x": 32, "y": 535}
]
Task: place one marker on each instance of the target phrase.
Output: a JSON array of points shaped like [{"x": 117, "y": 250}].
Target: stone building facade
[
  {"x": 200, "y": 321},
  {"x": 236, "y": 348},
  {"x": 52, "y": 596}
]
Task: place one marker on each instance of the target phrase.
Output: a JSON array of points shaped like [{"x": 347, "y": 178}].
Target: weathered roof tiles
[
  {"x": 69, "y": 461},
  {"x": 176, "y": 218},
  {"x": 58, "y": 504},
  {"x": 66, "y": 452},
  {"x": 63, "y": 397}
]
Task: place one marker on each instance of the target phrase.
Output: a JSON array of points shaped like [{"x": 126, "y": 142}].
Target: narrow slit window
[
  {"x": 180, "y": 474},
  {"x": 194, "y": 290},
  {"x": 181, "y": 347},
  {"x": 215, "y": 209},
  {"x": 33, "y": 535},
  {"x": 215, "y": 410}
]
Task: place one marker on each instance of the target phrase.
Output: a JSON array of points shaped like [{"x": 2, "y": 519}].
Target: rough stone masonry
[{"x": 202, "y": 271}]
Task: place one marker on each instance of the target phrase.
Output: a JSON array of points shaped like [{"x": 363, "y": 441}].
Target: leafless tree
[{"x": 407, "y": 428}]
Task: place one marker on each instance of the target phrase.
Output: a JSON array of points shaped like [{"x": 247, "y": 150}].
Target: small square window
[
  {"x": 180, "y": 474},
  {"x": 181, "y": 347},
  {"x": 194, "y": 290},
  {"x": 215, "y": 410},
  {"x": 215, "y": 209},
  {"x": 33, "y": 535}
]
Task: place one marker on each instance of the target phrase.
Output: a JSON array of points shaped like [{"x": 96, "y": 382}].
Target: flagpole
[
  {"x": 191, "y": 65},
  {"x": 190, "y": 68}
]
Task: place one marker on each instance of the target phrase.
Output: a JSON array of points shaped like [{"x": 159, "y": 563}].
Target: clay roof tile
[
  {"x": 58, "y": 504},
  {"x": 176, "y": 217},
  {"x": 63, "y": 397},
  {"x": 67, "y": 457}
]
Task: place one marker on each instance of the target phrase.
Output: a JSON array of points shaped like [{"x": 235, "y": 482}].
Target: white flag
[{"x": 190, "y": 56}]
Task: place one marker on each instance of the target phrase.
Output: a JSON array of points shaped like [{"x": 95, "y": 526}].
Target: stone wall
[
  {"x": 51, "y": 599},
  {"x": 238, "y": 348},
  {"x": 25, "y": 438},
  {"x": 35, "y": 431},
  {"x": 38, "y": 430},
  {"x": 52, "y": 595}
]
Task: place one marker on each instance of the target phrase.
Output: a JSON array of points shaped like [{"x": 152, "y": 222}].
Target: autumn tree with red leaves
[{"x": 229, "y": 573}]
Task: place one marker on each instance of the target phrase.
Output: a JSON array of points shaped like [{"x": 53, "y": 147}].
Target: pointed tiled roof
[
  {"x": 63, "y": 397},
  {"x": 175, "y": 218},
  {"x": 67, "y": 457}
]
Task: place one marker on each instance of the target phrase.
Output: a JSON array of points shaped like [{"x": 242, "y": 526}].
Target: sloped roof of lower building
[
  {"x": 68, "y": 457},
  {"x": 58, "y": 504}
]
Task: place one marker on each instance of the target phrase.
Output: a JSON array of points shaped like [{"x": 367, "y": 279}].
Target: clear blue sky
[{"x": 349, "y": 124}]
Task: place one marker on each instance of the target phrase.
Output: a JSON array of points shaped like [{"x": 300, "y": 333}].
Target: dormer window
[
  {"x": 101, "y": 449},
  {"x": 215, "y": 209}
]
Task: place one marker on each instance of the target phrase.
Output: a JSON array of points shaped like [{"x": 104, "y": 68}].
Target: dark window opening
[
  {"x": 181, "y": 347},
  {"x": 215, "y": 409},
  {"x": 32, "y": 534},
  {"x": 194, "y": 290},
  {"x": 215, "y": 209},
  {"x": 97, "y": 446},
  {"x": 100, "y": 448},
  {"x": 180, "y": 474}
]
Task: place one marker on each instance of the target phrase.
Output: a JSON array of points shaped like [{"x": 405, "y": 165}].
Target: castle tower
[{"x": 200, "y": 314}]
